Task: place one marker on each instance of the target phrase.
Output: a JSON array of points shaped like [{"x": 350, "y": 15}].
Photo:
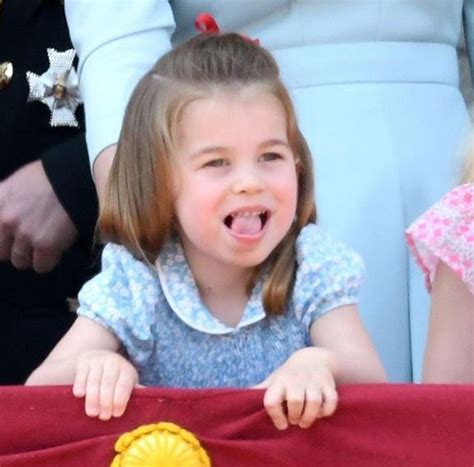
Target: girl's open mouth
[{"x": 247, "y": 222}]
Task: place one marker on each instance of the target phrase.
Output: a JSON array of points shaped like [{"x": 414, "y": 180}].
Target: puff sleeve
[
  {"x": 123, "y": 298},
  {"x": 446, "y": 232},
  {"x": 329, "y": 275}
]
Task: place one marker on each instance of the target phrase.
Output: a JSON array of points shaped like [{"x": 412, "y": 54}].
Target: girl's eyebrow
[
  {"x": 209, "y": 150},
  {"x": 274, "y": 142},
  {"x": 223, "y": 149}
]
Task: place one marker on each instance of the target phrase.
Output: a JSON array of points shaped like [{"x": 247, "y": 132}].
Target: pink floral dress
[{"x": 446, "y": 232}]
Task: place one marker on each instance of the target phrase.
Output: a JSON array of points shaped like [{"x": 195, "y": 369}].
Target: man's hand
[{"x": 35, "y": 229}]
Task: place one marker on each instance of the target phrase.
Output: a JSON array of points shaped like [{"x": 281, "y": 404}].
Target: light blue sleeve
[
  {"x": 117, "y": 42},
  {"x": 123, "y": 297},
  {"x": 469, "y": 31},
  {"x": 329, "y": 275}
]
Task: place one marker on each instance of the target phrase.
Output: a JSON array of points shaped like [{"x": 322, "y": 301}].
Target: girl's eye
[
  {"x": 216, "y": 163},
  {"x": 270, "y": 156}
]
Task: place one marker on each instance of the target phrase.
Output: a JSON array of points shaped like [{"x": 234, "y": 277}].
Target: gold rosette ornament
[{"x": 159, "y": 445}]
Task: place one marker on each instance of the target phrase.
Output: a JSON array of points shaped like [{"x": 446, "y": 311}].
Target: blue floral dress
[{"x": 173, "y": 340}]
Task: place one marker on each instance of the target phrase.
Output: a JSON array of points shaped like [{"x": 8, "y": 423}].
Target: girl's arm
[
  {"x": 341, "y": 339},
  {"x": 60, "y": 365},
  {"x": 449, "y": 356},
  {"x": 87, "y": 356},
  {"x": 304, "y": 387}
]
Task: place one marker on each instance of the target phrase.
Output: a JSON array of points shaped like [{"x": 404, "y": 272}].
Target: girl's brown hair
[{"x": 137, "y": 209}]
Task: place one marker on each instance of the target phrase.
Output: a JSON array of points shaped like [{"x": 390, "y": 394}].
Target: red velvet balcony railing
[{"x": 375, "y": 425}]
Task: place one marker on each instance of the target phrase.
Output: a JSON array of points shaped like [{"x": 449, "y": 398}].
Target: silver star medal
[{"x": 58, "y": 88}]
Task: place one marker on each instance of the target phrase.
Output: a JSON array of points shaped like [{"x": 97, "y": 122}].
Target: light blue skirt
[{"x": 386, "y": 125}]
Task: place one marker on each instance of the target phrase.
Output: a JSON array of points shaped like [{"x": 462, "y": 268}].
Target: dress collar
[{"x": 182, "y": 295}]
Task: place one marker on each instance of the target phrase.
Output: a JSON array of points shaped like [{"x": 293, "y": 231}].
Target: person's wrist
[{"x": 319, "y": 355}]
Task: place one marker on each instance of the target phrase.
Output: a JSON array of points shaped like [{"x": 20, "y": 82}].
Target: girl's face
[{"x": 236, "y": 185}]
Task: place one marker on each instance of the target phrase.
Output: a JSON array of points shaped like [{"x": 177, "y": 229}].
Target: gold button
[{"x": 6, "y": 73}]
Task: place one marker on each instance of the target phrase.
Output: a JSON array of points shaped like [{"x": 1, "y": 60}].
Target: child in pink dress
[{"x": 442, "y": 242}]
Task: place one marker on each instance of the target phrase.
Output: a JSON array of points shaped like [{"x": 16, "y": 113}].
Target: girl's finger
[
  {"x": 330, "y": 399},
  {"x": 273, "y": 401},
  {"x": 93, "y": 389},
  {"x": 80, "y": 380},
  {"x": 295, "y": 400},
  {"x": 312, "y": 406},
  {"x": 262, "y": 385},
  {"x": 123, "y": 390},
  {"x": 259, "y": 386},
  {"x": 110, "y": 374}
]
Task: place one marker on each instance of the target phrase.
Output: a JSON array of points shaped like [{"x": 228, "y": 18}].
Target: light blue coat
[{"x": 375, "y": 85}]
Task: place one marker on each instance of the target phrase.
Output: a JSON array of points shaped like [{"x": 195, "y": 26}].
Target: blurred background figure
[
  {"x": 48, "y": 203},
  {"x": 442, "y": 242}
]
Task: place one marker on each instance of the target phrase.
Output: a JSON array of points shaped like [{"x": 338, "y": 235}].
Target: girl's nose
[{"x": 247, "y": 181}]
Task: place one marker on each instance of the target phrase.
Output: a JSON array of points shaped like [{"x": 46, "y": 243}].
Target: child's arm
[
  {"x": 353, "y": 356},
  {"x": 60, "y": 365},
  {"x": 306, "y": 382},
  {"x": 87, "y": 356},
  {"x": 301, "y": 390},
  {"x": 449, "y": 356}
]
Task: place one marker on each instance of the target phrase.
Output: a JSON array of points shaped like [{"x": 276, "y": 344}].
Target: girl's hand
[
  {"x": 106, "y": 379},
  {"x": 301, "y": 390}
]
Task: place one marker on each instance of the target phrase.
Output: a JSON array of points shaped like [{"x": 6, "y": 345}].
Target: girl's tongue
[{"x": 246, "y": 224}]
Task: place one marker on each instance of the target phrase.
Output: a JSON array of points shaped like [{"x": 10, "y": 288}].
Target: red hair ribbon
[{"x": 205, "y": 23}]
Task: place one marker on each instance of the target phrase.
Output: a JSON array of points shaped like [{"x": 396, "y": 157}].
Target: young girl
[
  {"x": 442, "y": 241},
  {"x": 216, "y": 274}
]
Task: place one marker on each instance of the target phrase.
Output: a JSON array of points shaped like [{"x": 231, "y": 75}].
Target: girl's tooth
[{"x": 247, "y": 214}]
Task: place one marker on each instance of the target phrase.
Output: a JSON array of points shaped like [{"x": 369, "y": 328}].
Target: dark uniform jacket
[{"x": 33, "y": 307}]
